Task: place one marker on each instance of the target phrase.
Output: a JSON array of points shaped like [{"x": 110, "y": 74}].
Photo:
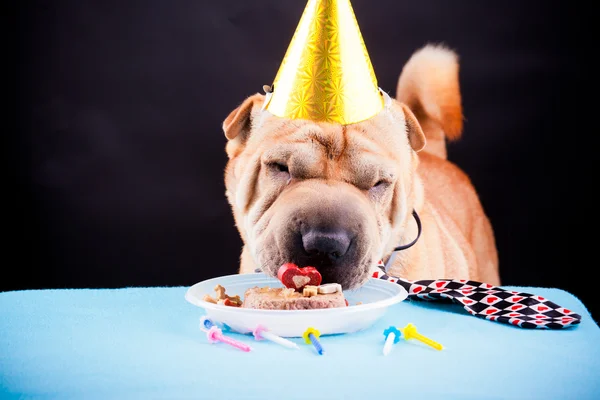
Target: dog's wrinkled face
[{"x": 323, "y": 195}]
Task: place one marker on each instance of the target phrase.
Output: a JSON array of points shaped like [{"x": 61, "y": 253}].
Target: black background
[{"x": 118, "y": 152}]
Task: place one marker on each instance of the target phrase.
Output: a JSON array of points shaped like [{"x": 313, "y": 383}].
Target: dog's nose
[{"x": 331, "y": 244}]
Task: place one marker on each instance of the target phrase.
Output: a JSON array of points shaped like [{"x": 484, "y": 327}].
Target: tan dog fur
[{"x": 334, "y": 167}]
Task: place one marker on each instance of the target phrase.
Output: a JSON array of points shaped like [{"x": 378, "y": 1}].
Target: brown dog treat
[
  {"x": 209, "y": 299},
  {"x": 220, "y": 290},
  {"x": 223, "y": 298},
  {"x": 235, "y": 301},
  {"x": 310, "y": 291}
]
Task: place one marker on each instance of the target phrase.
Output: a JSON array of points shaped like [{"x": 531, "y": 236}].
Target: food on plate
[
  {"x": 309, "y": 291},
  {"x": 267, "y": 298},
  {"x": 223, "y": 298},
  {"x": 302, "y": 291},
  {"x": 296, "y": 278},
  {"x": 329, "y": 288}
]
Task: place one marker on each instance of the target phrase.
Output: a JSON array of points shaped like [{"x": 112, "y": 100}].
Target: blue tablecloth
[{"x": 144, "y": 343}]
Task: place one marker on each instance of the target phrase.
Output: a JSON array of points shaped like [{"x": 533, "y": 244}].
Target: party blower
[
  {"x": 393, "y": 336},
  {"x": 215, "y": 335}
]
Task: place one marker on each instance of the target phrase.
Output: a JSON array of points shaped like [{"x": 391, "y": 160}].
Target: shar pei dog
[{"x": 341, "y": 198}]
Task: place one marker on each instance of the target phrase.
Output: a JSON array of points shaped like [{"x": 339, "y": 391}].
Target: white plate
[{"x": 376, "y": 296}]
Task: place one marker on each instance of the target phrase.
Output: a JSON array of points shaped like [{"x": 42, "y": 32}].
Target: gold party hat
[{"x": 326, "y": 74}]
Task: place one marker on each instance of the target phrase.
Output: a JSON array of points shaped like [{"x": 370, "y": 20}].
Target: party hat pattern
[{"x": 326, "y": 74}]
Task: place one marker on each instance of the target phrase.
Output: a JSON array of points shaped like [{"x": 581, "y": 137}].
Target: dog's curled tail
[{"x": 429, "y": 86}]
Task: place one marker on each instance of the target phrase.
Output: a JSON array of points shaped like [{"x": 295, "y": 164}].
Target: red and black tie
[{"x": 490, "y": 302}]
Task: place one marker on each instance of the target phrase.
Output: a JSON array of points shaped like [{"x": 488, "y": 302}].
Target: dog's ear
[
  {"x": 239, "y": 122},
  {"x": 416, "y": 137}
]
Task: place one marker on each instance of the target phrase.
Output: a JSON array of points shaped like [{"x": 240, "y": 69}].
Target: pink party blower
[{"x": 215, "y": 335}]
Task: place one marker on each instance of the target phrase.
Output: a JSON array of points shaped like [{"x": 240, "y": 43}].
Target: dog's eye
[
  {"x": 279, "y": 167},
  {"x": 379, "y": 188}
]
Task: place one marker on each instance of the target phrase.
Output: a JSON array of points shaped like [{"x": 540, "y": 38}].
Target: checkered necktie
[{"x": 490, "y": 302}]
